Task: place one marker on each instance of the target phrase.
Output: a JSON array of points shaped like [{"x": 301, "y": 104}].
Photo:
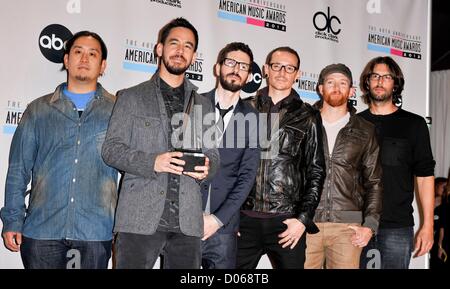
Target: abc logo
[
  {"x": 255, "y": 82},
  {"x": 328, "y": 25},
  {"x": 51, "y": 42}
]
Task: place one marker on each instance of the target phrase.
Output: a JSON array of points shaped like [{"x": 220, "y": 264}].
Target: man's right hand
[
  {"x": 12, "y": 240},
  {"x": 169, "y": 163}
]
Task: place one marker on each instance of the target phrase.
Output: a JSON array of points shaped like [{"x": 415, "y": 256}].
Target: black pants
[
  {"x": 134, "y": 251},
  {"x": 260, "y": 236}
]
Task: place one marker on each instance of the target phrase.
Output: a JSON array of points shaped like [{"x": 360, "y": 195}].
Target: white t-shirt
[{"x": 332, "y": 129}]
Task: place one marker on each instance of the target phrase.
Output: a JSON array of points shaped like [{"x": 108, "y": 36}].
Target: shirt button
[
  {"x": 74, "y": 180},
  {"x": 76, "y": 161},
  {"x": 162, "y": 192},
  {"x": 71, "y": 200},
  {"x": 78, "y": 142},
  {"x": 74, "y": 108}
]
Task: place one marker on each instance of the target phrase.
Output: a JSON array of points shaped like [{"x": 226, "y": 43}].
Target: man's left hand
[
  {"x": 292, "y": 234},
  {"x": 361, "y": 237},
  {"x": 210, "y": 226},
  {"x": 424, "y": 241}
]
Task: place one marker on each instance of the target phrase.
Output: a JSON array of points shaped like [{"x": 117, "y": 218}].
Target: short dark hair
[
  {"x": 68, "y": 45},
  {"x": 235, "y": 46},
  {"x": 283, "y": 49},
  {"x": 399, "y": 80},
  {"x": 177, "y": 22}
]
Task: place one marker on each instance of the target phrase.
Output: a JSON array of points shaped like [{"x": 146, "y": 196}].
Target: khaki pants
[{"x": 332, "y": 248}]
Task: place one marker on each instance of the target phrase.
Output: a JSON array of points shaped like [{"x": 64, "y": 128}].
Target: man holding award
[{"x": 160, "y": 206}]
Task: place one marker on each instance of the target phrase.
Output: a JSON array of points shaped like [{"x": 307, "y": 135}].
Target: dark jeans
[
  {"x": 260, "y": 236},
  {"x": 389, "y": 249},
  {"x": 134, "y": 251},
  {"x": 65, "y": 254},
  {"x": 219, "y": 251}
]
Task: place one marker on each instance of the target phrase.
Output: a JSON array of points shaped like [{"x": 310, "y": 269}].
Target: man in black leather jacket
[
  {"x": 349, "y": 210},
  {"x": 291, "y": 172}
]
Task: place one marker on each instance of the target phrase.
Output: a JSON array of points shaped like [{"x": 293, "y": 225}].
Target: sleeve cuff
[
  {"x": 372, "y": 223},
  {"x": 310, "y": 226},
  {"x": 12, "y": 227},
  {"x": 217, "y": 220}
]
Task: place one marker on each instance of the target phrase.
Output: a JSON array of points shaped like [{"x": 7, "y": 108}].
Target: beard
[
  {"x": 336, "y": 100},
  {"x": 384, "y": 97},
  {"x": 81, "y": 78},
  {"x": 232, "y": 86},
  {"x": 176, "y": 70}
]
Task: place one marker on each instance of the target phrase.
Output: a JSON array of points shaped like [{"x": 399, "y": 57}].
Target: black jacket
[
  {"x": 290, "y": 179},
  {"x": 352, "y": 191}
]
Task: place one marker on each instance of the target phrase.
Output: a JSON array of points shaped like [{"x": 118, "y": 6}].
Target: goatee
[
  {"x": 175, "y": 70},
  {"x": 81, "y": 78},
  {"x": 230, "y": 86},
  {"x": 384, "y": 97}
]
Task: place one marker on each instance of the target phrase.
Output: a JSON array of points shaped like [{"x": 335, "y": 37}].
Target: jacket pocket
[
  {"x": 290, "y": 140},
  {"x": 146, "y": 133}
]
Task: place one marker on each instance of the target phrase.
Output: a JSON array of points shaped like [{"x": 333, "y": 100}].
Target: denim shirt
[{"x": 73, "y": 192}]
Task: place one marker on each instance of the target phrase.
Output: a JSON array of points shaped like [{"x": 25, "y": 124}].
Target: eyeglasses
[
  {"x": 376, "y": 77},
  {"x": 232, "y": 63},
  {"x": 278, "y": 66}
]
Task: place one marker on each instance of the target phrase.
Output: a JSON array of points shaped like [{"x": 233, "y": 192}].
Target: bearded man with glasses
[
  {"x": 405, "y": 153},
  {"x": 239, "y": 157},
  {"x": 289, "y": 180}
]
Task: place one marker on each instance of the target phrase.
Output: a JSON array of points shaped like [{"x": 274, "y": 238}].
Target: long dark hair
[{"x": 399, "y": 81}]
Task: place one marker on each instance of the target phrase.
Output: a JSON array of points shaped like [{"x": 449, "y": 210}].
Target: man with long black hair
[{"x": 405, "y": 153}]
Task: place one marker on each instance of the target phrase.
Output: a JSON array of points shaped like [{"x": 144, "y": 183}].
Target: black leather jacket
[
  {"x": 352, "y": 191},
  {"x": 291, "y": 181}
]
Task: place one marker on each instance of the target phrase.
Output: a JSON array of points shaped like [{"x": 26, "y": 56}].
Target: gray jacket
[{"x": 137, "y": 133}]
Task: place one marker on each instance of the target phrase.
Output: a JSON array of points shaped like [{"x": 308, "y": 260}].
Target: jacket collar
[
  {"x": 212, "y": 94},
  {"x": 264, "y": 98},
  {"x": 188, "y": 86},
  {"x": 100, "y": 93}
]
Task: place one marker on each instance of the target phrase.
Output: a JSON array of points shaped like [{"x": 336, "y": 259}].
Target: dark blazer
[{"x": 239, "y": 160}]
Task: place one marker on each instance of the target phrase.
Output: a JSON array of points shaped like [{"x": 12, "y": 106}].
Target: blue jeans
[
  {"x": 219, "y": 251},
  {"x": 65, "y": 254},
  {"x": 389, "y": 249}
]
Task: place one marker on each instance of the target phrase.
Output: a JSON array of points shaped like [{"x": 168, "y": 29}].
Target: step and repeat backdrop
[{"x": 324, "y": 31}]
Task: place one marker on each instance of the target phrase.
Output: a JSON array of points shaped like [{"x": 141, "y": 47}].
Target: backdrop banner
[{"x": 322, "y": 31}]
